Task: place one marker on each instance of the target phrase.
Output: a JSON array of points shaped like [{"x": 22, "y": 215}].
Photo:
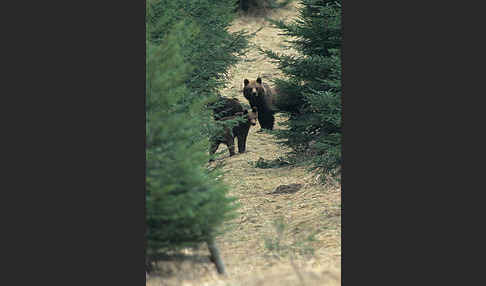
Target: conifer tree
[
  {"x": 185, "y": 203},
  {"x": 210, "y": 51},
  {"x": 189, "y": 51},
  {"x": 258, "y": 5},
  {"x": 311, "y": 95}
]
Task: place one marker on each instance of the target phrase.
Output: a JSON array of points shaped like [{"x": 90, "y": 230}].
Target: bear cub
[{"x": 227, "y": 136}]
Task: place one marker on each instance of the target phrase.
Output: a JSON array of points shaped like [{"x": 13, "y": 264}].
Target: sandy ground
[{"x": 313, "y": 210}]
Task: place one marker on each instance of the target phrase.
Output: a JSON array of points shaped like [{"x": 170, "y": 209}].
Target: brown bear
[
  {"x": 260, "y": 95},
  {"x": 224, "y": 107},
  {"x": 240, "y": 131}
]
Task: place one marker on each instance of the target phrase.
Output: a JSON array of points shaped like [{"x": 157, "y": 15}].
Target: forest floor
[{"x": 306, "y": 248}]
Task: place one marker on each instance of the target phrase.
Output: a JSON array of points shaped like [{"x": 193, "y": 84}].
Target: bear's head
[
  {"x": 252, "y": 90},
  {"x": 251, "y": 115}
]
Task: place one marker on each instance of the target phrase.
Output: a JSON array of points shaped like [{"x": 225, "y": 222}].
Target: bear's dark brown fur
[
  {"x": 260, "y": 95},
  {"x": 224, "y": 107},
  {"x": 240, "y": 131}
]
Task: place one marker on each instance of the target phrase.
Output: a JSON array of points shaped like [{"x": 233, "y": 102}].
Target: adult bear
[
  {"x": 224, "y": 107},
  {"x": 260, "y": 95}
]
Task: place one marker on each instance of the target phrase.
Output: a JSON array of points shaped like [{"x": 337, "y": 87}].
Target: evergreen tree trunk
[{"x": 215, "y": 257}]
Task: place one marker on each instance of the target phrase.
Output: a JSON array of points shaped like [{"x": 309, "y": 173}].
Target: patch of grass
[
  {"x": 273, "y": 244},
  {"x": 267, "y": 164},
  {"x": 278, "y": 247},
  {"x": 304, "y": 246}
]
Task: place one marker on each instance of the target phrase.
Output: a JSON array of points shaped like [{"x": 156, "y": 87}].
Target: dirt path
[{"x": 246, "y": 247}]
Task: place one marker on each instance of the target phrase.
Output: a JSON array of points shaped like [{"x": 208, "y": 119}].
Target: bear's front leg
[
  {"x": 242, "y": 142},
  {"x": 231, "y": 146}
]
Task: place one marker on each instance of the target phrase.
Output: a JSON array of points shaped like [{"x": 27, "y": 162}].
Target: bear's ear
[
  {"x": 246, "y": 82},
  {"x": 259, "y": 80},
  {"x": 254, "y": 109}
]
